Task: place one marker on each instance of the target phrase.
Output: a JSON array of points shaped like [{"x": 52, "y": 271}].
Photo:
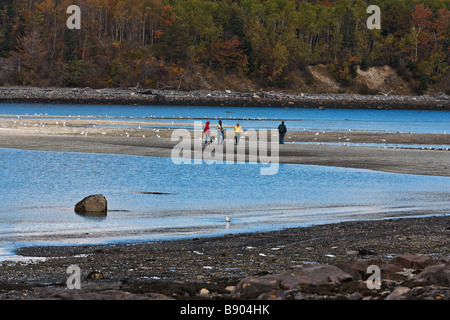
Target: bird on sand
[{"x": 385, "y": 94}]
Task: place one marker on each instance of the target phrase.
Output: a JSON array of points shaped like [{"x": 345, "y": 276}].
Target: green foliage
[
  {"x": 344, "y": 71},
  {"x": 70, "y": 45},
  {"x": 75, "y": 73},
  {"x": 364, "y": 64},
  {"x": 8, "y": 20},
  {"x": 423, "y": 84}
]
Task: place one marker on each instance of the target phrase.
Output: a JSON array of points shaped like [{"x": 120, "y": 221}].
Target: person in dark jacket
[{"x": 282, "y": 131}]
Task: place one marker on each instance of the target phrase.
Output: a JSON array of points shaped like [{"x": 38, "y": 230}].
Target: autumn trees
[{"x": 154, "y": 43}]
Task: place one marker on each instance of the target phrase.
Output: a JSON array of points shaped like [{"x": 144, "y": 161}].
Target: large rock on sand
[
  {"x": 92, "y": 204},
  {"x": 413, "y": 261},
  {"x": 312, "y": 275}
]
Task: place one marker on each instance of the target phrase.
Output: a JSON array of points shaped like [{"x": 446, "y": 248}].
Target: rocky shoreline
[
  {"x": 131, "y": 96},
  {"x": 322, "y": 262}
]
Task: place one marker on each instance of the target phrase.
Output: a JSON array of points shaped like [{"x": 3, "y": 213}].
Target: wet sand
[{"x": 97, "y": 136}]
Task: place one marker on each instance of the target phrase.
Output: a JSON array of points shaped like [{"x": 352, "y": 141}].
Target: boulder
[
  {"x": 430, "y": 292},
  {"x": 312, "y": 275},
  {"x": 438, "y": 274},
  {"x": 399, "y": 293},
  {"x": 98, "y": 291},
  {"x": 320, "y": 274},
  {"x": 392, "y": 272},
  {"x": 445, "y": 260},
  {"x": 353, "y": 267},
  {"x": 254, "y": 286},
  {"x": 412, "y": 261},
  {"x": 273, "y": 295},
  {"x": 93, "y": 203}
]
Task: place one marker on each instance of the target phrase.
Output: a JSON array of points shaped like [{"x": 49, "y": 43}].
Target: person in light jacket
[{"x": 220, "y": 132}]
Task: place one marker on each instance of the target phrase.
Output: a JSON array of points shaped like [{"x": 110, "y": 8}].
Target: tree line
[{"x": 155, "y": 43}]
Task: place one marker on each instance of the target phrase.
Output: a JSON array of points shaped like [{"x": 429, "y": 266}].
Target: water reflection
[{"x": 92, "y": 215}]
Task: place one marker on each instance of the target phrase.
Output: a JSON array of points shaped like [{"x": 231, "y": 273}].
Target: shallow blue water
[
  {"x": 445, "y": 147},
  {"x": 296, "y": 119},
  {"x": 39, "y": 190}
]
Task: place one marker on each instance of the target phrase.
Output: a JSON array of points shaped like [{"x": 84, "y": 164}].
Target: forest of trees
[{"x": 154, "y": 43}]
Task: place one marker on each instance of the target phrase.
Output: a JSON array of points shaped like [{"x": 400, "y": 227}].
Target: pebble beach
[{"x": 218, "y": 268}]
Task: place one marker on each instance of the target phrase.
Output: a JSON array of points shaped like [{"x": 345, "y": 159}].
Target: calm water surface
[
  {"x": 39, "y": 190},
  {"x": 296, "y": 119}
]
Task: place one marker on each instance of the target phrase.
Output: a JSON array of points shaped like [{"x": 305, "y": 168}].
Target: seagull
[
  {"x": 385, "y": 94},
  {"x": 227, "y": 219}
]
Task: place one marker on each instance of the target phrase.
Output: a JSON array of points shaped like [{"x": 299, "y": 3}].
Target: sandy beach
[
  {"x": 100, "y": 136},
  {"x": 182, "y": 269}
]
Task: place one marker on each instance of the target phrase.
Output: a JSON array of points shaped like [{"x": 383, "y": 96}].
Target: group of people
[
  {"x": 221, "y": 133},
  {"x": 237, "y": 132}
]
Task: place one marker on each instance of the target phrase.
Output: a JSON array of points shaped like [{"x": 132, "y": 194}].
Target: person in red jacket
[{"x": 207, "y": 132}]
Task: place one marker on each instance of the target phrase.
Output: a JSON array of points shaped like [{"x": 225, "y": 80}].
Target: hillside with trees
[{"x": 198, "y": 44}]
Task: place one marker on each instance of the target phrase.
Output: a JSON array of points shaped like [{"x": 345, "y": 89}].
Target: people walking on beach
[
  {"x": 282, "y": 132},
  {"x": 237, "y": 133},
  {"x": 207, "y": 132},
  {"x": 220, "y": 132}
]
